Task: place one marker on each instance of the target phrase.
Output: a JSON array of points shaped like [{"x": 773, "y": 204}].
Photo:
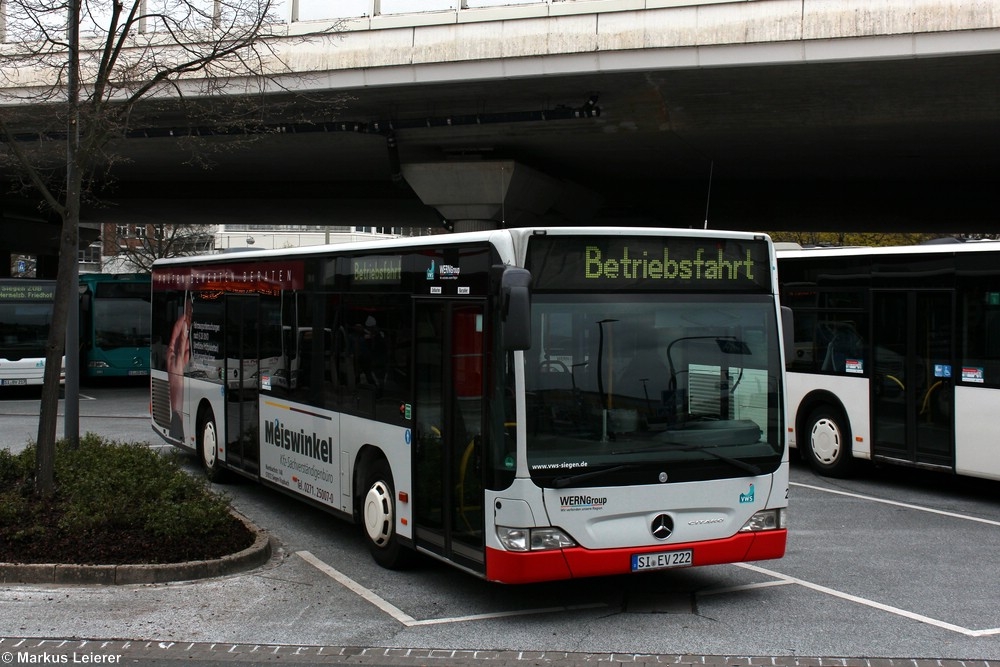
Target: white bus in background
[
  {"x": 25, "y": 318},
  {"x": 896, "y": 356},
  {"x": 525, "y": 404}
]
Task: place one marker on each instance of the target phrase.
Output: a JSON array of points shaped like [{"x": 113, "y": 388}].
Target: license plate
[
  {"x": 662, "y": 560},
  {"x": 138, "y": 372},
  {"x": 17, "y": 382}
]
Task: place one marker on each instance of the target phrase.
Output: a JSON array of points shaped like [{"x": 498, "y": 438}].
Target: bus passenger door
[
  {"x": 448, "y": 417},
  {"x": 912, "y": 384},
  {"x": 242, "y": 388}
]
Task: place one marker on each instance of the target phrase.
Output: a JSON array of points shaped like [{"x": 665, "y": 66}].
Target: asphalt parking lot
[{"x": 891, "y": 564}]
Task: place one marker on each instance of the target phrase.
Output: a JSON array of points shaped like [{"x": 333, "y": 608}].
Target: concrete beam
[{"x": 487, "y": 194}]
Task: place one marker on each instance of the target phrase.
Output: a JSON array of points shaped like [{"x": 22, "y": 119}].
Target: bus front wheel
[
  {"x": 378, "y": 517},
  {"x": 828, "y": 442},
  {"x": 208, "y": 447}
]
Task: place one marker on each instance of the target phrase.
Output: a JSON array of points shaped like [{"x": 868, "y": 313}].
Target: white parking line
[
  {"x": 919, "y": 508},
  {"x": 745, "y": 587},
  {"x": 782, "y": 579},
  {"x": 357, "y": 588},
  {"x": 408, "y": 620},
  {"x": 505, "y": 614},
  {"x": 870, "y": 603}
]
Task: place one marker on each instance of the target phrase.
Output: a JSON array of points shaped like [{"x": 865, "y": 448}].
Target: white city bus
[
  {"x": 896, "y": 356},
  {"x": 25, "y": 316},
  {"x": 526, "y": 404}
]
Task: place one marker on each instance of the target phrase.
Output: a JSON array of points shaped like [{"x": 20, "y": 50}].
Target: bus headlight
[
  {"x": 533, "y": 539},
  {"x": 766, "y": 520}
]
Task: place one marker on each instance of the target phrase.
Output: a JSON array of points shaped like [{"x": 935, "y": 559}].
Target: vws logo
[{"x": 747, "y": 497}]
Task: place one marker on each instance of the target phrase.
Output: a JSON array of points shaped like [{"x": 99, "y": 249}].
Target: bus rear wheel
[
  {"x": 378, "y": 518},
  {"x": 208, "y": 447},
  {"x": 828, "y": 442}
]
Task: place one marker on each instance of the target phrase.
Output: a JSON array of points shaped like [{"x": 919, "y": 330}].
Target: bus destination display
[{"x": 562, "y": 262}]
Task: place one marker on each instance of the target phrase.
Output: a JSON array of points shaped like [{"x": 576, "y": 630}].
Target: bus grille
[{"x": 160, "y": 399}]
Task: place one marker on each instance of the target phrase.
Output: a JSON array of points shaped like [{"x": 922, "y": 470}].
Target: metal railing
[{"x": 319, "y": 10}]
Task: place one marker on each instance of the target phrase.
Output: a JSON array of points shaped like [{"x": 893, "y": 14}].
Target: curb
[
  {"x": 122, "y": 651},
  {"x": 156, "y": 573}
]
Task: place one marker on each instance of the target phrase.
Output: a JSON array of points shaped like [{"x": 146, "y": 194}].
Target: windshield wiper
[
  {"x": 563, "y": 482},
  {"x": 742, "y": 465}
]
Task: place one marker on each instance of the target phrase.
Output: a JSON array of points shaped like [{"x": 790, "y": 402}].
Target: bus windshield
[
  {"x": 121, "y": 315},
  {"x": 627, "y": 389},
  {"x": 24, "y": 329}
]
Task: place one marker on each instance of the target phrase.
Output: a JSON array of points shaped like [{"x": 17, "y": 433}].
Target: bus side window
[
  {"x": 980, "y": 321},
  {"x": 843, "y": 342}
]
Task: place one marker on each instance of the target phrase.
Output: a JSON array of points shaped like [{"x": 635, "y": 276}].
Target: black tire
[
  {"x": 208, "y": 447},
  {"x": 378, "y": 518},
  {"x": 825, "y": 442}
]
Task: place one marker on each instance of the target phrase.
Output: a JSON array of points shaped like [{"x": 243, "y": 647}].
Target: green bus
[{"x": 114, "y": 325}]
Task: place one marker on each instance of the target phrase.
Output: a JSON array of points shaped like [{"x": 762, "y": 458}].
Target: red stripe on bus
[{"x": 513, "y": 567}]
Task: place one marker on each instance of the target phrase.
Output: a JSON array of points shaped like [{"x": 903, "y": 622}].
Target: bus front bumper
[{"x": 576, "y": 562}]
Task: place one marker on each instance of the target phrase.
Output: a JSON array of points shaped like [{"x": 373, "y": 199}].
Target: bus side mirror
[
  {"x": 515, "y": 303},
  {"x": 788, "y": 332}
]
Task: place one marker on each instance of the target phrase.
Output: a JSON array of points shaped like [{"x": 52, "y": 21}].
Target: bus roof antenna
[{"x": 708, "y": 197}]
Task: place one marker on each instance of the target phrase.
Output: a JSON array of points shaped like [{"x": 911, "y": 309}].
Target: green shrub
[
  {"x": 15, "y": 468},
  {"x": 114, "y": 502}
]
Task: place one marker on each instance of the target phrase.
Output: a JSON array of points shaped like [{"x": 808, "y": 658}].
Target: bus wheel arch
[
  {"x": 207, "y": 441},
  {"x": 824, "y": 436},
  {"x": 375, "y": 509}
]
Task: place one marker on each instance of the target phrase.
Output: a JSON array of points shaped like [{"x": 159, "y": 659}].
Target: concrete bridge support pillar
[{"x": 483, "y": 195}]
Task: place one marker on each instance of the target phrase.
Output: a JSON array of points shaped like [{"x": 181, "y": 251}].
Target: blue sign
[{"x": 942, "y": 370}]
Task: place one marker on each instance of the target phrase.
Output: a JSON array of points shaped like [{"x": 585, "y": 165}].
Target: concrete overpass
[{"x": 767, "y": 114}]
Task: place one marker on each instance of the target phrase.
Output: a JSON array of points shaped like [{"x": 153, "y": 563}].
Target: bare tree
[
  {"x": 74, "y": 77},
  {"x": 137, "y": 254}
]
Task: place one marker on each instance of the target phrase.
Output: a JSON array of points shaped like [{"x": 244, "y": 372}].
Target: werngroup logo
[
  {"x": 577, "y": 503},
  {"x": 449, "y": 271}
]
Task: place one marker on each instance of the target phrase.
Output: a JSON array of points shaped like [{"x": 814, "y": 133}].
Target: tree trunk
[{"x": 66, "y": 297}]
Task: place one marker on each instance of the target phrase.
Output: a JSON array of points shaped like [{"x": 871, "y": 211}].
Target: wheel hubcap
[
  {"x": 209, "y": 445},
  {"x": 378, "y": 514},
  {"x": 826, "y": 441}
]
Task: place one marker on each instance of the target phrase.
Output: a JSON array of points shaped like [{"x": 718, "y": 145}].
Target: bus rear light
[
  {"x": 533, "y": 539},
  {"x": 766, "y": 520}
]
